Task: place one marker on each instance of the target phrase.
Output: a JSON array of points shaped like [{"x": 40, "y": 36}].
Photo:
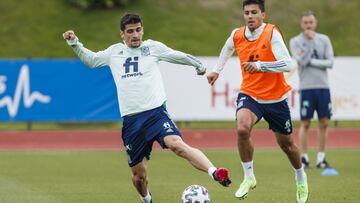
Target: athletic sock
[
  {"x": 147, "y": 198},
  {"x": 211, "y": 171},
  {"x": 300, "y": 174},
  {"x": 305, "y": 156},
  {"x": 320, "y": 157},
  {"x": 248, "y": 169}
]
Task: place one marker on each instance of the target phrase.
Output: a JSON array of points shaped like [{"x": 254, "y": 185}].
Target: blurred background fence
[{"x": 64, "y": 90}]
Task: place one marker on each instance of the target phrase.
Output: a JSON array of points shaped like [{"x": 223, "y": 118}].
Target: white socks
[
  {"x": 305, "y": 155},
  {"x": 146, "y": 199},
  {"x": 320, "y": 157},
  {"x": 300, "y": 175},
  {"x": 211, "y": 171},
  {"x": 248, "y": 169}
]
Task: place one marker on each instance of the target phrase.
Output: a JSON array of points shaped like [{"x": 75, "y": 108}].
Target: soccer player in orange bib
[{"x": 263, "y": 93}]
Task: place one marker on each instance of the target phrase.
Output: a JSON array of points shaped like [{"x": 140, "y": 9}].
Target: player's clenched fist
[
  {"x": 212, "y": 77},
  {"x": 69, "y": 35},
  {"x": 250, "y": 67}
]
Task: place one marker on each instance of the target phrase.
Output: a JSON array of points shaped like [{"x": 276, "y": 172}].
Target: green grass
[
  {"x": 33, "y": 28},
  {"x": 93, "y": 177}
]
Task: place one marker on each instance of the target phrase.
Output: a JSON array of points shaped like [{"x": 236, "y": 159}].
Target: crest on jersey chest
[{"x": 145, "y": 51}]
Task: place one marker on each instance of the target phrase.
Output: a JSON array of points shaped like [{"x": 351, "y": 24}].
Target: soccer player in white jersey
[
  {"x": 314, "y": 54},
  {"x": 135, "y": 68}
]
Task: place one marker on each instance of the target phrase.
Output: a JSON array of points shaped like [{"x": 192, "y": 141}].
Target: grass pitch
[{"x": 94, "y": 177}]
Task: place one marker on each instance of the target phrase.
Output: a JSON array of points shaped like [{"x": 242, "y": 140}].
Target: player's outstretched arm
[
  {"x": 164, "y": 53},
  {"x": 87, "y": 56},
  {"x": 226, "y": 52}
]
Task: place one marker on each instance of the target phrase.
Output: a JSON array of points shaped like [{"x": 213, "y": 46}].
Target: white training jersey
[
  {"x": 136, "y": 71},
  {"x": 314, "y": 57}
]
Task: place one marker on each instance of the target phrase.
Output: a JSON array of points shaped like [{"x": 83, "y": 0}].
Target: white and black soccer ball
[{"x": 195, "y": 194}]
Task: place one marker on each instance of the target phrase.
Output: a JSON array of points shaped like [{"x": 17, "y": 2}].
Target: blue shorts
[
  {"x": 318, "y": 100},
  {"x": 277, "y": 115},
  {"x": 139, "y": 131}
]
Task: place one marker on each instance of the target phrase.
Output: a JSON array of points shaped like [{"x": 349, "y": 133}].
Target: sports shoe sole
[{"x": 245, "y": 196}]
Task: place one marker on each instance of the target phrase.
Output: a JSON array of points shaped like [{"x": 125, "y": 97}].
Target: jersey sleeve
[
  {"x": 164, "y": 53},
  {"x": 283, "y": 61},
  {"x": 226, "y": 52},
  {"x": 90, "y": 58},
  {"x": 328, "y": 61},
  {"x": 302, "y": 54}
]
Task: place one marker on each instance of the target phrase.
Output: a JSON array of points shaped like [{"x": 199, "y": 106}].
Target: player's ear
[
  {"x": 263, "y": 15},
  {"x": 121, "y": 33}
]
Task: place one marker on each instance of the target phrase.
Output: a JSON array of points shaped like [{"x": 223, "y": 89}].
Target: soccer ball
[{"x": 195, "y": 194}]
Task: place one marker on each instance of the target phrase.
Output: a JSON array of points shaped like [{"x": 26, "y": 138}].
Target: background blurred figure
[
  {"x": 263, "y": 93},
  {"x": 314, "y": 54}
]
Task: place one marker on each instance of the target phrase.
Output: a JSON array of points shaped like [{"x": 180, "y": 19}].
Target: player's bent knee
[
  {"x": 243, "y": 132},
  {"x": 180, "y": 152},
  {"x": 179, "y": 148},
  {"x": 287, "y": 146},
  {"x": 323, "y": 125},
  {"x": 139, "y": 178},
  {"x": 305, "y": 124}
]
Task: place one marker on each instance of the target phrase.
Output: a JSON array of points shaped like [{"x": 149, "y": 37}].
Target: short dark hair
[
  {"x": 261, "y": 4},
  {"x": 308, "y": 13},
  {"x": 129, "y": 18}
]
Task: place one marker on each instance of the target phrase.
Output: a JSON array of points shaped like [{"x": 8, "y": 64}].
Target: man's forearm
[
  {"x": 85, "y": 55},
  {"x": 226, "y": 52},
  {"x": 275, "y": 66},
  {"x": 182, "y": 58},
  {"x": 321, "y": 63}
]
